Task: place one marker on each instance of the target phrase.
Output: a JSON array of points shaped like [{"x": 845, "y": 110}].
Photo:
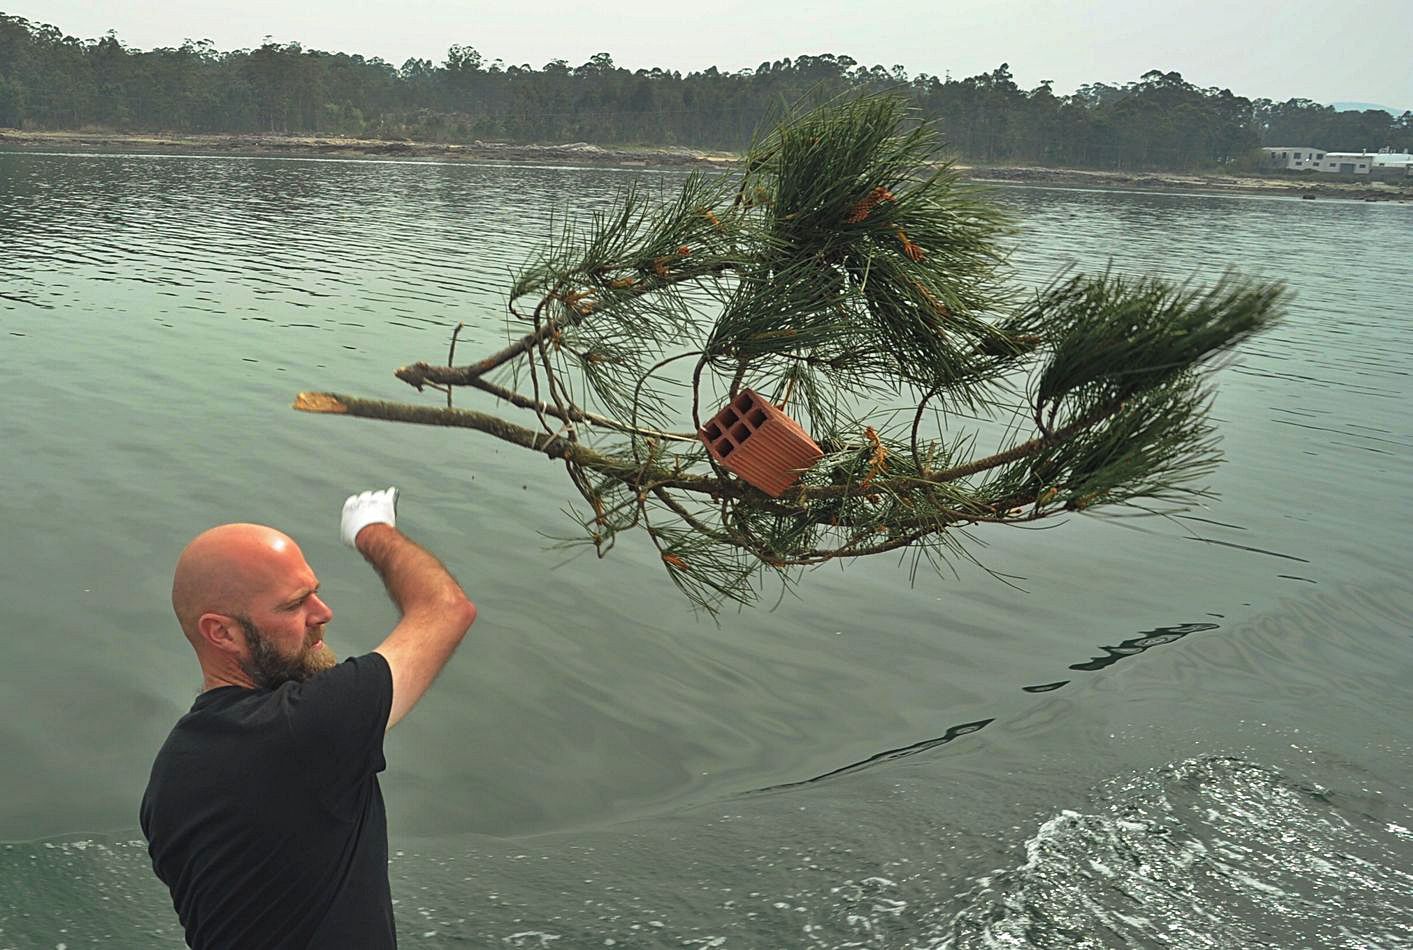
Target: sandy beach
[
  {"x": 297, "y": 146},
  {"x": 583, "y": 153},
  {"x": 1312, "y": 185}
]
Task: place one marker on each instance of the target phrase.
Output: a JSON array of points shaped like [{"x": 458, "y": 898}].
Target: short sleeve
[{"x": 337, "y": 721}]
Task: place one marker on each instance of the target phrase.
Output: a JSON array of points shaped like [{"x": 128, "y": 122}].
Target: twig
[
  {"x": 451, "y": 357},
  {"x": 419, "y": 374},
  {"x": 575, "y": 413}
]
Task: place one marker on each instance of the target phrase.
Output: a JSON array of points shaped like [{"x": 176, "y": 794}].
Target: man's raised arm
[{"x": 436, "y": 613}]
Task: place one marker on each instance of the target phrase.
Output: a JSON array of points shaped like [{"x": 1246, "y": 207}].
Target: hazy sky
[{"x": 1351, "y": 50}]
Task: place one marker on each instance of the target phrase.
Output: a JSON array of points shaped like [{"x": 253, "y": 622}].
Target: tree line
[{"x": 49, "y": 80}]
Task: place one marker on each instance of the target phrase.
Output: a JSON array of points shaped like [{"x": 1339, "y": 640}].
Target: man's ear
[{"x": 222, "y": 632}]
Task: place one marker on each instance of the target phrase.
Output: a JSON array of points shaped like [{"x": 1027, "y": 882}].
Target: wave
[{"x": 1210, "y": 852}]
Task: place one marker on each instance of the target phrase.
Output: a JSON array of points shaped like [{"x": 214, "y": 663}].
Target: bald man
[{"x": 263, "y": 814}]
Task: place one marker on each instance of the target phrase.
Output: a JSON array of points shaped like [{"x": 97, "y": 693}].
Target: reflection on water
[
  {"x": 1133, "y": 646},
  {"x": 1144, "y": 641},
  {"x": 579, "y": 772},
  {"x": 926, "y": 745}
]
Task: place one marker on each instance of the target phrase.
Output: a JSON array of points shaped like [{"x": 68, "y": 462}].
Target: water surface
[{"x": 1182, "y": 732}]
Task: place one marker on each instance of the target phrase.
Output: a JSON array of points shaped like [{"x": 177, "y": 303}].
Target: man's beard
[{"x": 268, "y": 669}]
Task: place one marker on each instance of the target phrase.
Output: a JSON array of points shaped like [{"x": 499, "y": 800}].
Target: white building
[
  {"x": 1391, "y": 163},
  {"x": 1295, "y": 157},
  {"x": 1346, "y": 163}
]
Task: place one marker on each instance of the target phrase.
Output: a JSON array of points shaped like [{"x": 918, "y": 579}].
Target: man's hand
[{"x": 365, "y": 508}]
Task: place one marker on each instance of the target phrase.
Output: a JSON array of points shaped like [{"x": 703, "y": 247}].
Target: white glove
[{"x": 365, "y": 508}]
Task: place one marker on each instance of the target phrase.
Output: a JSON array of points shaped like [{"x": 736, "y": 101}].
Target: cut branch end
[{"x": 320, "y": 402}]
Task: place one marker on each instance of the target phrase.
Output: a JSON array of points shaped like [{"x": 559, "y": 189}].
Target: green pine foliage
[{"x": 846, "y": 275}]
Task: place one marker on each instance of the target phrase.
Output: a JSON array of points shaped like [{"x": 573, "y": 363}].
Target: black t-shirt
[{"x": 264, "y": 818}]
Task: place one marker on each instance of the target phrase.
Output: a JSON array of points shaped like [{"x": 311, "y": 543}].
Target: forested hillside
[{"x": 52, "y": 81}]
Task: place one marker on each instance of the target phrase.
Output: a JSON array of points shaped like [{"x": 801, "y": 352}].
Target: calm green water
[{"x": 1190, "y": 732}]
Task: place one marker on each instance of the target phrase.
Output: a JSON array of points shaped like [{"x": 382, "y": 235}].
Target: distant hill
[{"x": 1363, "y": 107}]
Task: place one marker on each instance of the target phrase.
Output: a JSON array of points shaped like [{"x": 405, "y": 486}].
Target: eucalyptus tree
[{"x": 50, "y": 80}]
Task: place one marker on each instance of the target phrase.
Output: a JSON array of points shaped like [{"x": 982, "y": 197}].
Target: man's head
[{"x": 249, "y": 604}]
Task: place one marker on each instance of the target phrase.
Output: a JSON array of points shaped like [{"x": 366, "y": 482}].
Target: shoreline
[
  {"x": 1192, "y": 182},
  {"x": 253, "y": 145},
  {"x": 662, "y": 157}
]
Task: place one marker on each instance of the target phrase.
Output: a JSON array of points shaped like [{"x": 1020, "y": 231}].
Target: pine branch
[{"x": 844, "y": 268}]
